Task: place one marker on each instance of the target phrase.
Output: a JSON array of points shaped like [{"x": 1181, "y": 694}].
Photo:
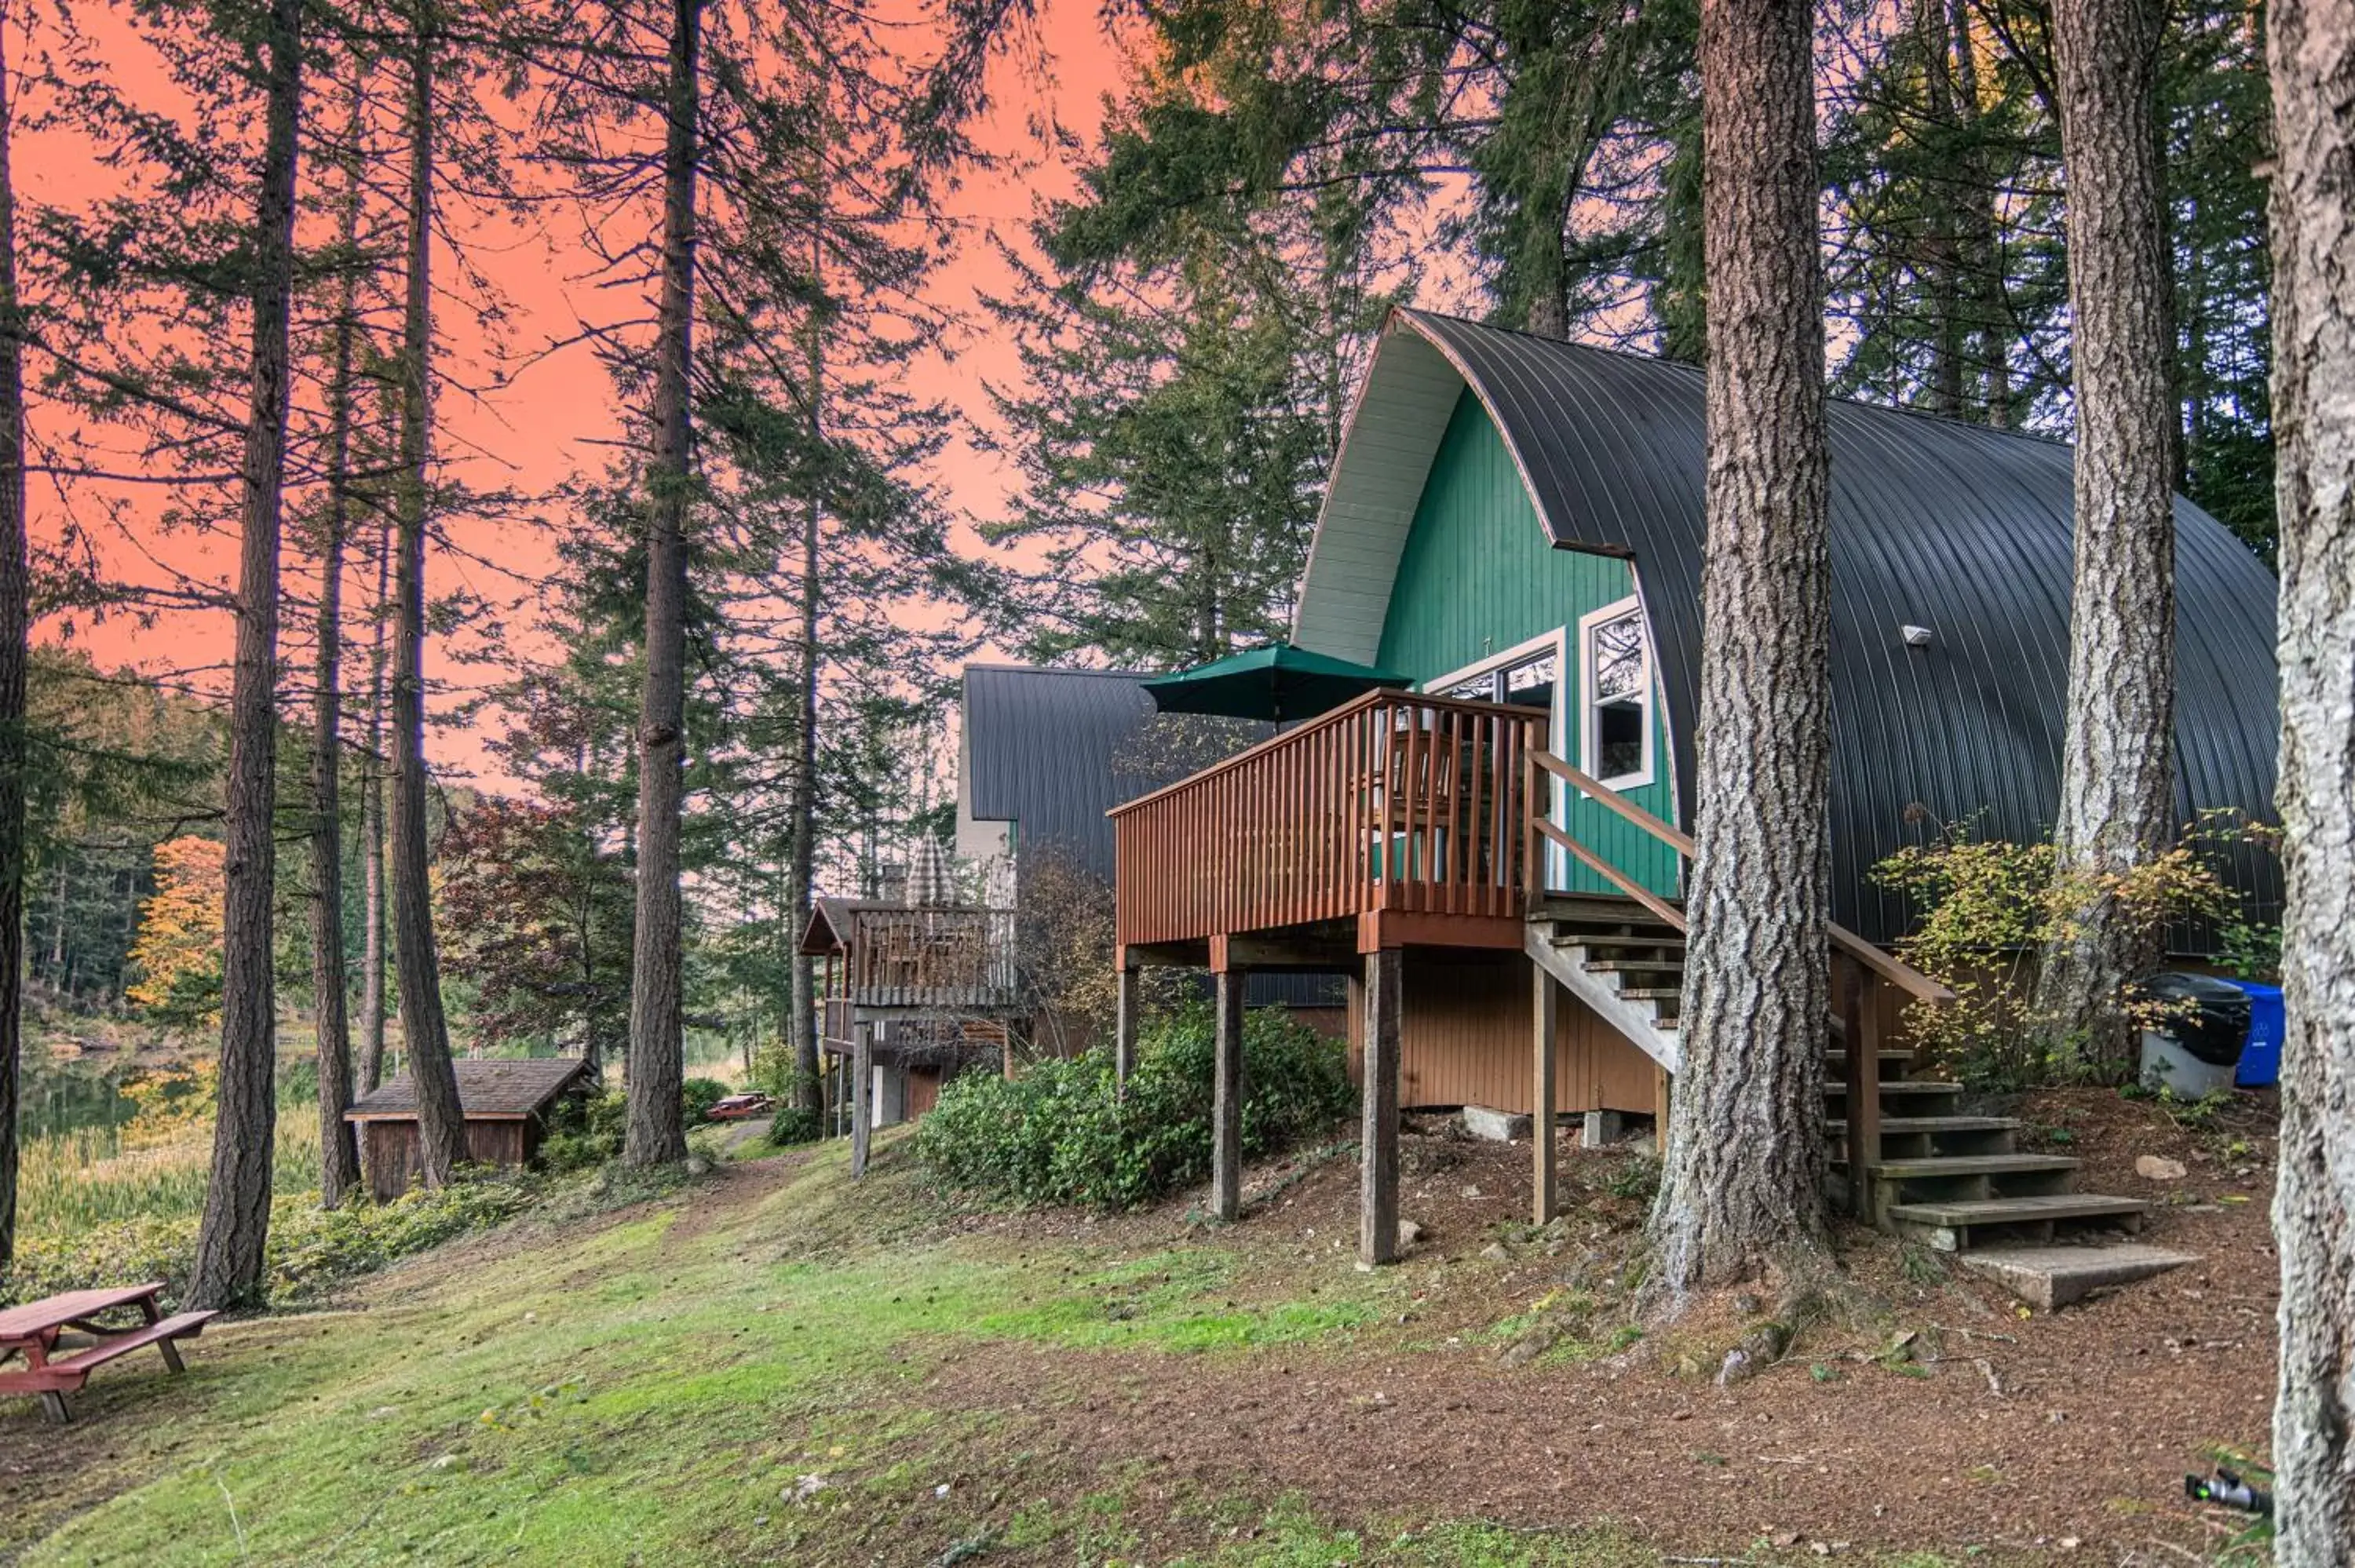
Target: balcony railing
[
  {"x": 953, "y": 959},
  {"x": 1395, "y": 802}
]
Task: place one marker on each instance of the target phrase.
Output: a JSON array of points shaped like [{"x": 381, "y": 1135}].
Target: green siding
[{"x": 1476, "y": 578}]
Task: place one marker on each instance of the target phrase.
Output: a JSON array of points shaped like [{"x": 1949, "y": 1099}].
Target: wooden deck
[
  {"x": 1396, "y": 808},
  {"x": 946, "y": 959}
]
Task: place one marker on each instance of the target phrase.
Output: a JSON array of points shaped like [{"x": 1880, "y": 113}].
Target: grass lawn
[{"x": 774, "y": 1367}]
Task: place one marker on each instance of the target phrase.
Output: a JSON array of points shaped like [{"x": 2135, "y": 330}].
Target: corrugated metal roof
[
  {"x": 1937, "y": 524},
  {"x": 503, "y": 1087},
  {"x": 1053, "y": 750}
]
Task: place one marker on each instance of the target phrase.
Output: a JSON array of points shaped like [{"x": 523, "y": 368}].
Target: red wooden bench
[{"x": 33, "y": 1329}]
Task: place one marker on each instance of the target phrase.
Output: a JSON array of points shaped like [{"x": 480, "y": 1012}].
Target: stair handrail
[
  {"x": 1852, "y": 1000},
  {"x": 1883, "y": 963}
]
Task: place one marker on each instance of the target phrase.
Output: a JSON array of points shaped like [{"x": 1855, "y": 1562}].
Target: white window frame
[
  {"x": 1588, "y": 741},
  {"x": 1557, "y": 642}
]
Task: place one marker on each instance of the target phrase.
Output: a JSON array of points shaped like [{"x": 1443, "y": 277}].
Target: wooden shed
[{"x": 505, "y": 1104}]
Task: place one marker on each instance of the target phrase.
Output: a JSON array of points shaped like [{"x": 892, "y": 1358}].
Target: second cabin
[{"x": 1517, "y": 523}]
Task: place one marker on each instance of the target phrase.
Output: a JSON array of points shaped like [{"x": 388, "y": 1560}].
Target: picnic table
[{"x": 33, "y": 1329}]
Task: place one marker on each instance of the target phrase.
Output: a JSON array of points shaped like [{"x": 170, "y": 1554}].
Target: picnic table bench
[{"x": 32, "y": 1331}]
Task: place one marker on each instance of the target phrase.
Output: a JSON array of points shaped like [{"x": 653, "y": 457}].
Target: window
[
  {"x": 1523, "y": 680},
  {"x": 1615, "y": 671}
]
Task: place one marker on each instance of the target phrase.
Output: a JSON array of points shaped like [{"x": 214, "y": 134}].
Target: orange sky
[{"x": 546, "y": 423}]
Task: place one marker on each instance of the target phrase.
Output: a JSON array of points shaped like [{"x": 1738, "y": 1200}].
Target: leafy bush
[
  {"x": 1059, "y": 1135},
  {"x": 1989, "y": 907},
  {"x": 583, "y": 1130},
  {"x": 698, "y": 1096}
]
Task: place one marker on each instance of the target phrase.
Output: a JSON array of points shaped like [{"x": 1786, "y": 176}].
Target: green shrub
[
  {"x": 583, "y": 1130},
  {"x": 1059, "y": 1135},
  {"x": 698, "y": 1096}
]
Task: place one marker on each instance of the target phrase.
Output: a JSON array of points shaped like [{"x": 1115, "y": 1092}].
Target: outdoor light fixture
[{"x": 1915, "y": 636}]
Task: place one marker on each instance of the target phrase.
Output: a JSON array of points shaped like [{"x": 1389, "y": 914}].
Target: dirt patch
[{"x": 1920, "y": 1409}]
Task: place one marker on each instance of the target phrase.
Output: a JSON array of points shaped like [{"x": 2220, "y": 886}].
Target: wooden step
[
  {"x": 1950, "y": 1226},
  {"x": 1651, "y": 993},
  {"x": 1894, "y": 1064},
  {"x": 1936, "y": 1167},
  {"x": 1635, "y": 967},
  {"x": 1663, "y": 938},
  {"x": 1894, "y": 1088},
  {"x": 1896, "y": 1125}
]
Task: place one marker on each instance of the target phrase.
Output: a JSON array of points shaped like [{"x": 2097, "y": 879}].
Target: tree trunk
[
  {"x": 372, "y": 953},
  {"x": 237, "y": 1202},
  {"x": 1741, "y": 1185},
  {"x": 425, "y": 1033},
  {"x": 2116, "y": 766},
  {"x": 802, "y": 830},
  {"x": 2311, "y": 48},
  {"x": 1941, "y": 237},
  {"x": 1980, "y": 235},
  {"x": 657, "y": 1133},
  {"x": 15, "y": 619},
  {"x": 339, "y": 1157}
]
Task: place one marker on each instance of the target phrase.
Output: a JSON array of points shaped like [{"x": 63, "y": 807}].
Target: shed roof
[
  {"x": 828, "y": 930},
  {"x": 502, "y": 1088},
  {"x": 1935, "y": 522}
]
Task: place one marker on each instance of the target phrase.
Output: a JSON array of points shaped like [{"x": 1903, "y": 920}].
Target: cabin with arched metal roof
[{"x": 1517, "y": 523}]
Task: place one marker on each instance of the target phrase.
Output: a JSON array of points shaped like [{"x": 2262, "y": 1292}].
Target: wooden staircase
[{"x": 1953, "y": 1181}]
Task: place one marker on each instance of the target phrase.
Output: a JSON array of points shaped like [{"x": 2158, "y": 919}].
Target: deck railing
[
  {"x": 1393, "y": 803},
  {"x": 948, "y": 958}
]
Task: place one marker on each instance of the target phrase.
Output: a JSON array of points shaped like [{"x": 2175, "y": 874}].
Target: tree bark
[
  {"x": 1979, "y": 234},
  {"x": 2311, "y": 50},
  {"x": 14, "y": 655},
  {"x": 372, "y": 868},
  {"x": 2116, "y": 768},
  {"x": 425, "y": 1031},
  {"x": 339, "y": 1157},
  {"x": 1941, "y": 237},
  {"x": 803, "y": 831},
  {"x": 1742, "y": 1184},
  {"x": 657, "y": 1133},
  {"x": 236, "y": 1221}
]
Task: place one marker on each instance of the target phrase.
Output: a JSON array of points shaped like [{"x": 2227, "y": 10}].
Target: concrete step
[
  {"x": 1952, "y": 1227},
  {"x": 2050, "y": 1276}
]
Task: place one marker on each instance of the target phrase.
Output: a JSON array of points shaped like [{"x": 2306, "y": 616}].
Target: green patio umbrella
[{"x": 1276, "y": 681}]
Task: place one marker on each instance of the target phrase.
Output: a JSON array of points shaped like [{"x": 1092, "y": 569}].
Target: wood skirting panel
[{"x": 1465, "y": 1041}]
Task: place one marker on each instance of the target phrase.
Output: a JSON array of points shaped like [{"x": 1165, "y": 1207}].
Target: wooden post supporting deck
[
  {"x": 1226, "y": 1100},
  {"x": 1378, "y": 1215},
  {"x": 1123, "y": 1033},
  {"x": 862, "y": 1096},
  {"x": 1542, "y": 1098}
]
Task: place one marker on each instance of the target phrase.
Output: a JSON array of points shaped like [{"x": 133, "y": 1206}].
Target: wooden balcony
[
  {"x": 1395, "y": 807},
  {"x": 949, "y": 961}
]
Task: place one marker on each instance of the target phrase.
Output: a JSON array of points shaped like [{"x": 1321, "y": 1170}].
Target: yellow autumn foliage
[{"x": 177, "y": 952}]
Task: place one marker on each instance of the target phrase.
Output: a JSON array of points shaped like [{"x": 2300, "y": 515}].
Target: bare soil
[{"x": 1920, "y": 1409}]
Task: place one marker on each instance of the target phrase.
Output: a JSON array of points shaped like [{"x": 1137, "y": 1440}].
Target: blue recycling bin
[{"x": 2261, "y": 1057}]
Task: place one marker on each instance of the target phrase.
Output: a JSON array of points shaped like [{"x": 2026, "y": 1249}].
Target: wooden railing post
[{"x": 1860, "y": 1020}]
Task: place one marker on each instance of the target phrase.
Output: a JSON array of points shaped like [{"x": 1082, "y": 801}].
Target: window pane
[
  {"x": 1616, "y": 657},
  {"x": 1529, "y": 684},
  {"x": 1619, "y": 739},
  {"x": 1479, "y": 689}
]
